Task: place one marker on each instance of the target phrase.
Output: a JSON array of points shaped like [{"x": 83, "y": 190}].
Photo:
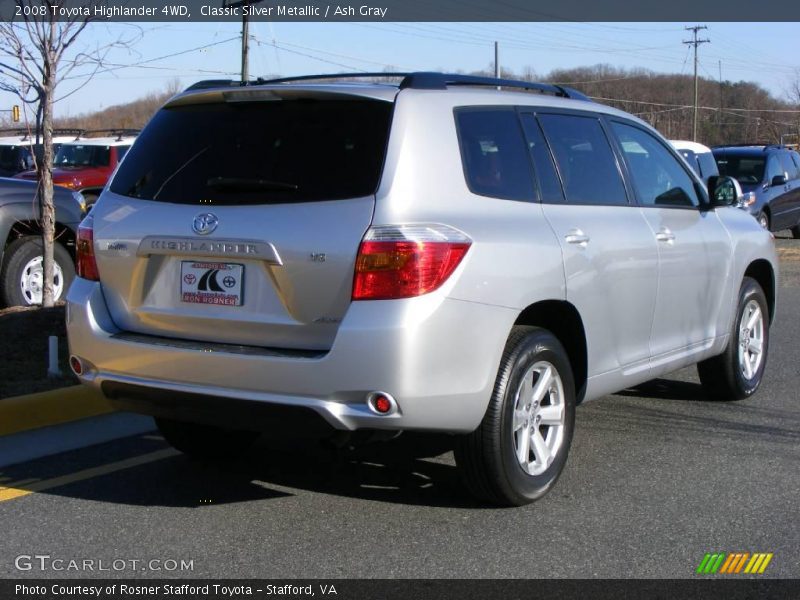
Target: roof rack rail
[
  {"x": 417, "y": 81},
  {"x": 26, "y": 135},
  {"x": 69, "y": 131},
  {"x": 115, "y": 132},
  {"x": 748, "y": 144},
  {"x": 14, "y": 131},
  {"x": 440, "y": 81}
]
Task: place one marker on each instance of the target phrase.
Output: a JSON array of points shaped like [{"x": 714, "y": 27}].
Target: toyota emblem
[{"x": 205, "y": 223}]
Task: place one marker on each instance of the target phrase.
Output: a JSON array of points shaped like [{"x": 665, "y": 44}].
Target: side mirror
[
  {"x": 724, "y": 190},
  {"x": 778, "y": 180}
]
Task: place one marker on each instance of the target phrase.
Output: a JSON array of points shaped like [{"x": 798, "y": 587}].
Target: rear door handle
[
  {"x": 576, "y": 236},
  {"x": 665, "y": 235}
]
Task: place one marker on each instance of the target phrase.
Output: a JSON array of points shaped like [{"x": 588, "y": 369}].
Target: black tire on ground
[
  {"x": 763, "y": 220},
  {"x": 487, "y": 458},
  {"x": 722, "y": 376},
  {"x": 205, "y": 441},
  {"x": 17, "y": 255},
  {"x": 796, "y": 232}
]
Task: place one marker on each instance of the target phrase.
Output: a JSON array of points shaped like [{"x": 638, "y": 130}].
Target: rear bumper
[{"x": 438, "y": 357}]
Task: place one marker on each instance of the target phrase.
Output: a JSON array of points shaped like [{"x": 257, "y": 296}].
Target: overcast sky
[{"x": 767, "y": 53}]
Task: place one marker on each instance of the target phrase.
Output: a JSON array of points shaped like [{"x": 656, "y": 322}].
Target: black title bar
[{"x": 402, "y": 10}]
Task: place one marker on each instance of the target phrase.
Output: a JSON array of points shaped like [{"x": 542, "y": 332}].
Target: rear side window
[
  {"x": 493, "y": 153},
  {"x": 585, "y": 160},
  {"x": 14, "y": 158},
  {"x": 659, "y": 178},
  {"x": 279, "y": 151}
]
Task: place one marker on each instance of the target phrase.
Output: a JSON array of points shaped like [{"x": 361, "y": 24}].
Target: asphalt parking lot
[{"x": 656, "y": 478}]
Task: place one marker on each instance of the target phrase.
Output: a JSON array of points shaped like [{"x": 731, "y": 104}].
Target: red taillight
[
  {"x": 87, "y": 266},
  {"x": 406, "y": 261}
]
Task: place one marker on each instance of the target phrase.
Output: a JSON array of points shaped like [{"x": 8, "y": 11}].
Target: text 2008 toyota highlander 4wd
[{"x": 437, "y": 255}]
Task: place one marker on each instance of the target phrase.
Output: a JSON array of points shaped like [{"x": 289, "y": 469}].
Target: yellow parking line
[
  {"x": 11, "y": 491},
  {"x": 23, "y": 413}
]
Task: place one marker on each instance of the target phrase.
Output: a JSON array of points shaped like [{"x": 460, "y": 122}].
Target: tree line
[{"x": 731, "y": 112}]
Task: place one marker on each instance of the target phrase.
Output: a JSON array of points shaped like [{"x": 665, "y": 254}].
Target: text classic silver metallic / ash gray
[{"x": 436, "y": 255}]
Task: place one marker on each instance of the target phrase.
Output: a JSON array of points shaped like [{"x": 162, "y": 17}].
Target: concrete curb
[
  {"x": 34, "y": 411},
  {"x": 48, "y": 441}
]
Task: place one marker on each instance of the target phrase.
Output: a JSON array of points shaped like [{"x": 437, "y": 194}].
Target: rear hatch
[{"x": 236, "y": 216}]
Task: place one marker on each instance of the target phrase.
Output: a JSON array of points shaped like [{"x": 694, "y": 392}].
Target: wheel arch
[
  {"x": 761, "y": 270},
  {"x": 563, "y": 320},
  {"x": 63, "y": 235}
]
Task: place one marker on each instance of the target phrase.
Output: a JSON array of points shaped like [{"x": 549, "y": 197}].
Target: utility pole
[
  {"x": 245, "y": 46},
  {"x": 719, "y": 115},
  {"x": 245, "y": 31},
  {"x": 497, "y": 61},
  {"x": 695, "y": 42}
]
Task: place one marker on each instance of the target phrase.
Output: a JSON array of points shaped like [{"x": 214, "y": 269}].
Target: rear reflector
[
  {"x": 403, "y": 261},
  {"x": 381, "y": 403},
  {"x": 87, "y": 266},
  {"x": 76, "y": 365}
]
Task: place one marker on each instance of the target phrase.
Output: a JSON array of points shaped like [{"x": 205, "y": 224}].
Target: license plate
[{"x": 212, "y": 283}]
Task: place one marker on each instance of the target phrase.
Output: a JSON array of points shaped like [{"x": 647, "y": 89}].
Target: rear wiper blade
[{"x": 244, "y": 184}]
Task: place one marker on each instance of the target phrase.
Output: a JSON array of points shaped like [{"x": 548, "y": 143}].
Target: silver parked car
[{"x": 437, "y": 255}]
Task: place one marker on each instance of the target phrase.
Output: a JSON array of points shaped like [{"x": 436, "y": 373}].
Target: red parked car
[{"x": 85, "y": 164}]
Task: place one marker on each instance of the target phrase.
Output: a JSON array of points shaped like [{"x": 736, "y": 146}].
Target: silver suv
[{"x": 439, "y": 255}]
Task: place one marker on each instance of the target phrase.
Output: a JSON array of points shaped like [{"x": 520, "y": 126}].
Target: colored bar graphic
[
  {"x": 751, "y": 564},
  {"x": 703, "y": 563},
  {"x": 745, "y": 556},
  {"x": 764, "y": 564},
  {"x": 730, "y": 563},
  {"x": 718, "y": 563}
]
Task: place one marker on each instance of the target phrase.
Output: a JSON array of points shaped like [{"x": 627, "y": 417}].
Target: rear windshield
[
  {"x": 745, "y": 169},
  {"x": 258, "y": 152}
]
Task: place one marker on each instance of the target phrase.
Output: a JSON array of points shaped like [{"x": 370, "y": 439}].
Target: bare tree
[{"x": 39, "y": 58}]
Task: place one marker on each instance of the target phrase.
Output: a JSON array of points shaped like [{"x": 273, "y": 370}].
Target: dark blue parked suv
[{"x": 770, "y": 180}]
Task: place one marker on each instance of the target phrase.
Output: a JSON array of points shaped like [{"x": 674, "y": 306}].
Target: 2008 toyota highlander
[{"x": 434, "y": 255}]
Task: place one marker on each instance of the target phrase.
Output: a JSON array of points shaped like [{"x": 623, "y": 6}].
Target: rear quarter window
[
  {"x": 279, "y": 151},
  {"x": 494, "y": 153}
]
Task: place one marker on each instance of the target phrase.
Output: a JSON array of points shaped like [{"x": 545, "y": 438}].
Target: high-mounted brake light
[
  {"x": 403, "y": 261},
  {"x": 87, "y": 265}
]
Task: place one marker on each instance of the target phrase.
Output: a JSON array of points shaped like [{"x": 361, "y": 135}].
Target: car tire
[
  {"x": 513, "y": 457},
  {"x": 736, "y": 374},
  {"x": 21, "y": 274},
  {"x": 763, "y": 220},
  {"x": 796, "y": 232},
  {"x": 205, "y": 441}
]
